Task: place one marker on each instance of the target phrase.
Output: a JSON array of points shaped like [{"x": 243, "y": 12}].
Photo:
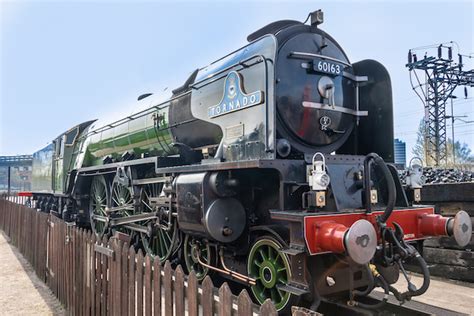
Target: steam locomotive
[{"x": 267, "y": 167}]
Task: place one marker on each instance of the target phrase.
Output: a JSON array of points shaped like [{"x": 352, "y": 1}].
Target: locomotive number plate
[{"x": 328, "y": 67}]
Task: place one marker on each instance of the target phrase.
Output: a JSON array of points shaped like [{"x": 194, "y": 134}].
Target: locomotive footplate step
[
  {"x": 292, "y": 251},
  {"x": 293, "y": 289}
]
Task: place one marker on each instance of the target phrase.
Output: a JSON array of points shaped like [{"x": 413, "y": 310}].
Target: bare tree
[{"x": 462, "y": 151}]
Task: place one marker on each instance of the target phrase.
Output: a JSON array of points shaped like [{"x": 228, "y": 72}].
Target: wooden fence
[
  {"x": 28, "y": 231},
  {"x": 108, "y": 277}
]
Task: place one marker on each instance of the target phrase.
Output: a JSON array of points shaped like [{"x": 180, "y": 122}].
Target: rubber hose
[
  {"x": 426, "y": 276},
  {"x": 392, "y": 191},
  {"x": 367, "y": 163},
  {"x": 424, "y": 287},
  {"x": 385, "y": 286}
]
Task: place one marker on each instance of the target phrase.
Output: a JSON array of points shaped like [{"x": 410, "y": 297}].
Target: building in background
[
  {"x": 400, "y": 152},
  {"x": 15, "y": 173}
]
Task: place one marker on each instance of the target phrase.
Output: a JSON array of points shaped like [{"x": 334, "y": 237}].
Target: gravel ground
[{"x": 21, "y": 292}]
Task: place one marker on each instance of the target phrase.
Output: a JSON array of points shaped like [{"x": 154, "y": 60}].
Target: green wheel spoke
[
  {"x": 281, "y": 293},
  {"x": 163, "y": 239},
  {"x": 160, "y": 239},
  {"x": 262, "y": 254}
]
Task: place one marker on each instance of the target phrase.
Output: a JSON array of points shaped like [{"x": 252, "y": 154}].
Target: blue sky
[{"x": 64, "y": 62}]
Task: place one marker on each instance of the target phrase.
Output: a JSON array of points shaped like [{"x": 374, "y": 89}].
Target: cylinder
[{"x": 433, "y": 225}]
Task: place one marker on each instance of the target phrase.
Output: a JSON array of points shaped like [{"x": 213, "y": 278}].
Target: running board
[
  {"x": 151, "y": 180},
  {"x": 293, "y": 289}
]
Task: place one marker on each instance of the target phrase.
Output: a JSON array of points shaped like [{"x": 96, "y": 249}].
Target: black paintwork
[{"x": 375, "y": 132}]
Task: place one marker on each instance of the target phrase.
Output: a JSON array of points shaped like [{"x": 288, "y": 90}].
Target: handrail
[{"x": 136, "y": 115}]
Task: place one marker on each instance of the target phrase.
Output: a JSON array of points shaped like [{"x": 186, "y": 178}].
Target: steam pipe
[
  {"x": 226, "y": 271},
  {"x": 392, "y": 193}
]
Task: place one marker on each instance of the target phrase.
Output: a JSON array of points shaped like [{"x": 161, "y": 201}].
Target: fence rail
[{"x": 93, "y": 276}]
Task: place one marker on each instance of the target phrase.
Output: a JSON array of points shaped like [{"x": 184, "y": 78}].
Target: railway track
[{"x": 391, "y": 308}]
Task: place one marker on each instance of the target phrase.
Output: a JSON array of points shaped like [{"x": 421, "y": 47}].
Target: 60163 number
[{"x": 327, "y": 67}]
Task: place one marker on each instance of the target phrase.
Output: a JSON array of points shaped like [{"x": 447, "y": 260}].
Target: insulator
[
  {"x": 439, "y": 51},
  {"x": 465, "y": 92},
  {"x": 410, "y": 57},
  {"x": 414, "y": 58},
  {"x": 460, "y": 61},
  {"x": 450, "y": 53}
]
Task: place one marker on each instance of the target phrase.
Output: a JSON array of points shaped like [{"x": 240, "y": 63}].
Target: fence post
[
  {"x": 268, "y": 309},
  {"x": 179, "y": 291},
  {"x": 139, "y": 280},
  {"x": 116, "y": 277},
  {"x": 156, "y": 287},
  {"x": 192, "y": 294},
  {"x": 207, "y": 298},
  {"x": 131, "y": 281},
  {"x": 244, "y": 304},
  {"x": 110, "y": 271},
  {"x": 124, "y": 288},
  {"x": 103, "y": 294},
  {"x": 93, "y": 274},
  {"x": 225, "y": 300},
  {"x": 147, "y": 281},
  {"x": 167, "y": 282}
]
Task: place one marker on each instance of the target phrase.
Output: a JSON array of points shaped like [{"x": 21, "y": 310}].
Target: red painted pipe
[
  {"x": 433, "y": 225},
  {"x": 330, "y": 236}
]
